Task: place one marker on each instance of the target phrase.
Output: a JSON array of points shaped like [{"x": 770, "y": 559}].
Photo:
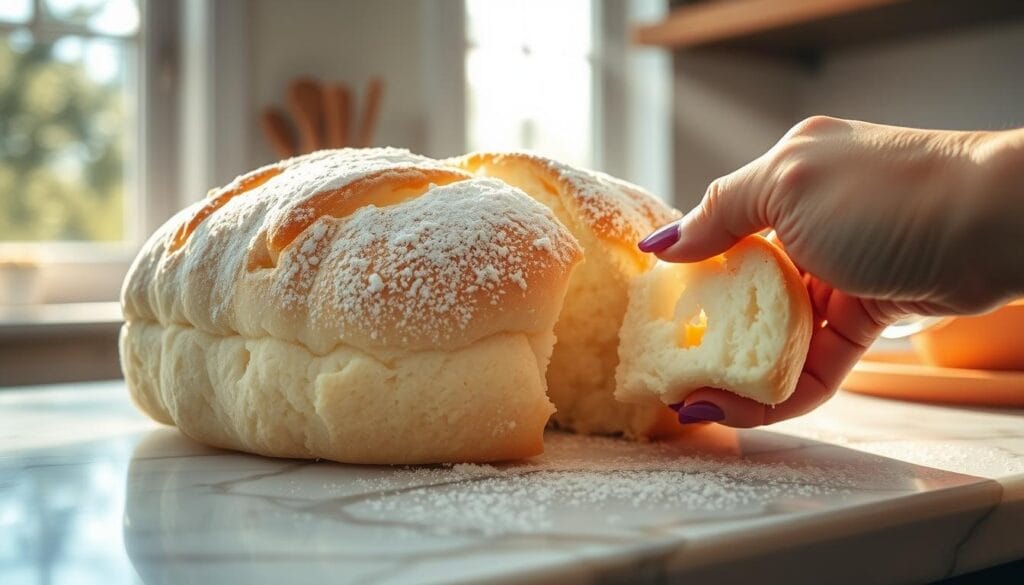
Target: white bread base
[
  {"x": 483, "y": 402},
  {"x": 759, "y": 325}
]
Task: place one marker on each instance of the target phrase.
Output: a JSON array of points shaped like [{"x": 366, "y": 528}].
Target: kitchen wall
[
  {"x": 731, "y": 108},
  {"x": 967, "y": 80},
  {"x": 353, "y": 41},
  {"x": 238, "y": 57},
  {"x": 418, "y": 47}
]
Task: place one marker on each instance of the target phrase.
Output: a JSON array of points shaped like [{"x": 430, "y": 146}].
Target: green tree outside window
[{"x": 63, "y": 132}]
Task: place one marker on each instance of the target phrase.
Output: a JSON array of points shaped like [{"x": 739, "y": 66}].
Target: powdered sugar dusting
[
  {"x": 422, "y": 268},
  {"x": 205, "y": 271},
  {"x": 622, "y": 209},
  {"x": 376, "y": 284},
  {"x": 613, "y": 208},
  {"x": 425, "y": 267},
  {"x": 297, "y": 269},
  {"x": 324, "y": 170}
]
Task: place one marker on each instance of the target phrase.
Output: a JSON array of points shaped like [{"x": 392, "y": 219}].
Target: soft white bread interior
[
  {"x": 608, "y": 216},
  {"x": 740, "y": 321},
  {"x": 367, "y": 306}
]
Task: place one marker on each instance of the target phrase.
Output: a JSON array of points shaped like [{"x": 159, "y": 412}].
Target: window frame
[
  {"x": 633, "y": 98},
  {"x": 93, "y": 271}
]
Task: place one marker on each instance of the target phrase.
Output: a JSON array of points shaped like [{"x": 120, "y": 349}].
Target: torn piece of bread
[
  {"x": 608, "y": 216},
  {"x": 740, "y": 321}
]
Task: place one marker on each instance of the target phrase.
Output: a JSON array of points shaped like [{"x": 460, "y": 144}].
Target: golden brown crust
[
  {"x": 614, "y": 210},
  {"x": 217, "y": 198},
  {"x": 380, "y": 189}
]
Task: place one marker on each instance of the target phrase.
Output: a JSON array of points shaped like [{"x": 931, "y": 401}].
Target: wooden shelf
[{"x": 801, "y": 27}]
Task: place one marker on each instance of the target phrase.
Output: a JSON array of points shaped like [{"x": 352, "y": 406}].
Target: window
[
  {"x": 529, "y": 77},
  {"x": 562, "y": 78},
  {"x": 88, "y": 142},
  {"x": 68, "y": 103}
]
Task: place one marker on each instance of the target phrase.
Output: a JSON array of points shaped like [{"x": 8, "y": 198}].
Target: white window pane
[
  {"x": 16, "y": 11},
  {"x": 565, "y": 28},
  {"x": 563, "y": 118},
  {"x": 562, "y": 27},
  {"x": 496, "y": 108},
  {"x": 494, "y": 23},
  {"x": 112, "y": 17},
  {"x": 66, "y": 113},
  {"x": 529, "y": 80}
]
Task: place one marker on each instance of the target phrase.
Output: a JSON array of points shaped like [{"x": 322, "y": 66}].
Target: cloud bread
[{"x": 360, "y": 305}]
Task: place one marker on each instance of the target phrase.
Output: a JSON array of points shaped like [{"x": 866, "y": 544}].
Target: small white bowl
[{"x": 20, "y": 284}]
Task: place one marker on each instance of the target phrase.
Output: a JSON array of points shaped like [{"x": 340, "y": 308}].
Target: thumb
[{"x": 729, "y": 211}]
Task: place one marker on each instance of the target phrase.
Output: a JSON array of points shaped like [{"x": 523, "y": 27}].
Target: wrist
[{"x": 997, "y": 201}]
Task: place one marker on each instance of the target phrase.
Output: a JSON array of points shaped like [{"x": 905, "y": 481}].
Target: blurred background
[{"x": 116, "y": 113}]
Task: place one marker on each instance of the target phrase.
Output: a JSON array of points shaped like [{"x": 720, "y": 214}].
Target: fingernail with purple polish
[
  {"x": 662, "y": 238},
  {"x": 699, "y": 412}
]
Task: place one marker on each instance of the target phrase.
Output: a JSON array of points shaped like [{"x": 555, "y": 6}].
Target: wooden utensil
[
  {"x": 278, "y": 132},
  {"x": 371, "y": 109},
  {"x": 305, "y": 99},
  {"x": 337, "y": 113}
]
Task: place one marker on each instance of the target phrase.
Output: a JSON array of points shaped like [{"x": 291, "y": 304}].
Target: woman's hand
[{"x": 882, "y": 221}]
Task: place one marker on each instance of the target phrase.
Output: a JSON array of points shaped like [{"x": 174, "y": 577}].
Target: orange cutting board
[{"x": 901, "y": 375}]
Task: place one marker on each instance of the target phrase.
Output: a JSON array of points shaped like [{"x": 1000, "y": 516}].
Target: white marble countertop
[{"x": 863, "y": 490}]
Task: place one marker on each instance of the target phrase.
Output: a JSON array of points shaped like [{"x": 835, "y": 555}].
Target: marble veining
[{"x": 862, "y": 490}]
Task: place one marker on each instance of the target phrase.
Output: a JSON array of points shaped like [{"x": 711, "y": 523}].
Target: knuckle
[
  {"x": 787, "y": 152},
  {"x": 814, "y": 125},
  {"x": 714, "y": 193},
  {"x": 807, "y": 133},
  {"x": 713, "y": 197},
  {"x": 795, "y": 177}
]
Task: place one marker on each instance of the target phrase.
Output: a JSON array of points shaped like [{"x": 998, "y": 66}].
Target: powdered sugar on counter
[{"x": 638, "y": 481}]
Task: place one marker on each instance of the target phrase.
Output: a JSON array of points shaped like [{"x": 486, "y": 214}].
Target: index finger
[{"x": 733, "y": 207}]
